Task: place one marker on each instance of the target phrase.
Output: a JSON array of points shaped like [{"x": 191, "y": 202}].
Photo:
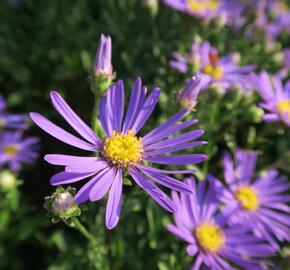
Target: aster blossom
[
  {"x": 212, "y": 243},
  {"x": 276, "y": 97},
  {"x": 122, "y": 150},
  {"x": 228, "y": 12},
  {"x": 260, "y": 200},
  {"x": 11, "y": 121},
  {"x": 15, "y": 150},
  {"x": 222, "y": 72}
]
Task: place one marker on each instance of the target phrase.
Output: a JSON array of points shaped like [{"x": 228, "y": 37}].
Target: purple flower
[
  {"x": 11, "y": 121},
  {"x": 272, "y": 18},
  {"x": 229, "y": 12},
  {"x": 103, "y": 64},
  {"x": 223, "y": 72},
  {"x": 188, "y": 96},
  {"x": 276, "y": 98},
  {"x": 122, "y": 150},
  {"x": 15, "y": 150},
  {"x": 284, "y": 71},
  {"x": 210, "y": 240},
  {"x": 260, "y": 201}
]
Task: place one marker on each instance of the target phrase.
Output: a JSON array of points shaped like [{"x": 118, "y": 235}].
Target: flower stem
[{"x": 83, "y": 230}]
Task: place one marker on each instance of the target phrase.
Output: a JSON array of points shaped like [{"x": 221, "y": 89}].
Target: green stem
[{"x": 83, "y": 230}]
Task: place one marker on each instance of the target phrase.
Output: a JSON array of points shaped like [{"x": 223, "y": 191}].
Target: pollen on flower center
[
  {"x": 283, "y": 106},
  {"x": 210, "y": 237},
  {"x": 10, "y": 150},
  {"x": 123, "y": 149},
  {"x": 248, "y": 197},
  {"x": 214, "y": 71},
  {"x": 201, "y": 6}
]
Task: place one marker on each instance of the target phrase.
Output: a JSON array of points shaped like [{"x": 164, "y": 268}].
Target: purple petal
[
  {"x": 158, "y": 195},
  {"x": 61, "y": 134},
  {"x": 146, "y": 110},
  {"x": 73, "y": 119},
  {"x": 114, "y": 203},
  {"x": 178, "y": 159},
  {"x": 64, "y": 178},
  {"x": 63, "y": 160},
  {"x": 102, "y": 185}
]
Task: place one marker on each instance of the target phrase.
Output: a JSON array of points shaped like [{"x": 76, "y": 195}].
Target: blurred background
[{"x": 47, "y": 45}]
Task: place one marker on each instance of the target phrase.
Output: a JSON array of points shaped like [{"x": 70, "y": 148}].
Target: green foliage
[{"x": 48, "y": 45}]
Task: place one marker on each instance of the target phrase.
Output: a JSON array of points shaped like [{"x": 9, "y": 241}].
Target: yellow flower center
[
  {"x": 203, "y": 5},
  {"x": 282, "y": 6},
  {"x": 214, "y": 71},
  {"x": 210, "y": 237},
  {"x": 283, "y": 106},
  {"x": 123, "y": 150},
  {"x": 11, "y": 150},
  {"x": 248, "y": 197}
]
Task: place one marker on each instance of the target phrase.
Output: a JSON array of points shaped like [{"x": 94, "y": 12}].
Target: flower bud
[
  {"x": 8, "y": 180},
  {"x": 62, "y": 205},
  {"x": 188, "y": 96},
  {"x": 152, "y": 6}
]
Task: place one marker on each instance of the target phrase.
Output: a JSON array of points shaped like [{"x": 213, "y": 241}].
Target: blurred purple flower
[
  {"x": 276, "y": 98},
  {"x": 260, "y": 201},
  {"x": 15, "y": 150},
  {"x": 122, "y": 150},
  {"x": 223, "y": 72},
  {"x": 103, "y": 65},
  {"x": 11, "y": 121},
  {"x": 284, "y": 71},
  {"x": 227, "y": 12},
  {"x": 272, "y": 18},
  {"x": 210, "y": 240}
]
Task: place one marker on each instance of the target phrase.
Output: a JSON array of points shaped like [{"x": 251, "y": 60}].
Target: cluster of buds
[{"x": 62, "y": 205}]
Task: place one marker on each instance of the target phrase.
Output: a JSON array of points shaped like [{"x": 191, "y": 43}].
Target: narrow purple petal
[
  {"x": 114, "y": 203},
  {"x": 64, "y": 178},
  {"x": 158, "y": 195},
  {"x": 178, "y": 159},
  {"x": 61, "y": 134},
  {"x": 73, "y": 119},
  {"x": 63, "y": 160}
]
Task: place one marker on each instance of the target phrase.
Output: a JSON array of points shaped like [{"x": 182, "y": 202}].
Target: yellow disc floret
[
  {"x": 122, "y": 149},
  {"x": 204, "y": 5},
  {"x": 11, "y": 150},
  {"x": 248, "y": 198},
  {"x": 210, "y": 237},
  {"x": 214, "y": 71},
  {"x": 283, "y": 107}
]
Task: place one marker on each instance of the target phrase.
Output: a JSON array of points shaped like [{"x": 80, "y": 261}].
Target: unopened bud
[{"x": 8, "y": 180}]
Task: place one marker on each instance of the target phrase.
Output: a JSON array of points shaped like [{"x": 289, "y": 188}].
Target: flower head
[
  {"x": 122, "y": 149},
  {"x": 222, "y": 72},
  {"x": 11, "y": 121},
  {"x": 276, "y": 98},
  {"x": 260, "y": 201},
  {"x": 230, "y": 12},
  {"x": 14, "y": 149},
  {"x": 103, "y": 65},
  {"x": 210, "y": 240}
]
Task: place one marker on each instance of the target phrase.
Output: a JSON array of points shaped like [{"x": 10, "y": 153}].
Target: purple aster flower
[
  {"x": 222, "y": 72},
  {"x": 15, "y": 150},
  {"x": 210, "y": 240},
  {"x": 122, "y": 150},
  {"x": 260, "y": 201},
  {"x": 103, "y": 64},
  {"x": 272, "y": 18},
  {"x": 276, "y": 98},
  {"x": 11, "y": 121},
  {"x": 229, "y": 12},
  {"x": 284, "y": 71},
  {"x": 188, "y": 96}
]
